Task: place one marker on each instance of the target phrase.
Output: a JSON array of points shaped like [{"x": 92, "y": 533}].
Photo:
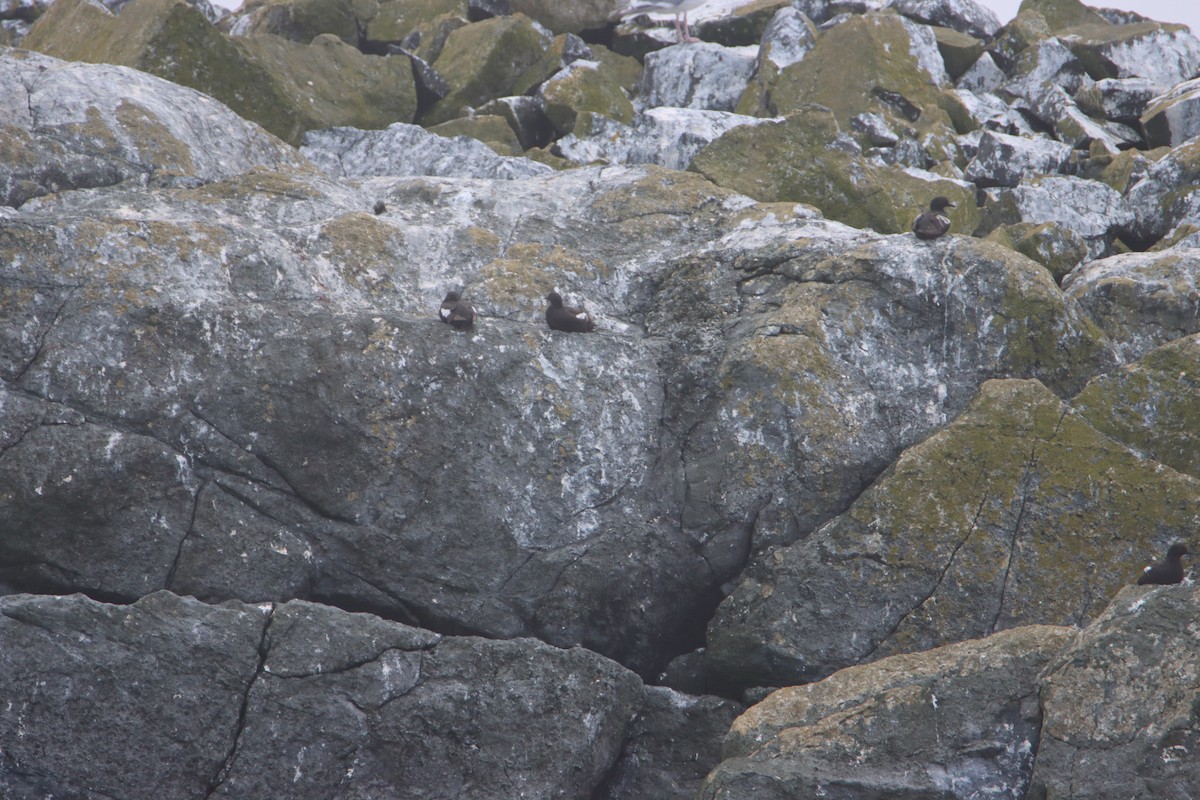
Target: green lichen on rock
[
  {"x": 286, "y": 87},
  {"x": 792, "y": 160},
  {"x": 1055, "y": 247},
  {"x": 584, "y": 88},
  {"x": 304, "y": 20},
  {"x": 959, "y": 50},
  {"x": 1152, "y": 405},
  {"x": 1062, "y": 14},
  {"x": 491, "y": 129},
  {"x": 882, "y": 77},
  {"x": 485, "y": 60}
]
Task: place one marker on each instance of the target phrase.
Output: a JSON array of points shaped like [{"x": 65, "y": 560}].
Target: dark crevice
[
  {"x": 170, "y": 580},
  {"x": 42, "y": 336},
  {"x": 230, "y": 759},
  {"x": 1030, "y": 469}
]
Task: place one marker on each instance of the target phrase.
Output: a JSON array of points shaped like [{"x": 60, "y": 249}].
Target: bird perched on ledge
[
  {"x": 456, "y": 312},
  {"x": 677, "y": 7},
  {"x": 1167, "y": 571},
  {"x": 565, "y": 318},
  {"x": 934, "y": 222}
]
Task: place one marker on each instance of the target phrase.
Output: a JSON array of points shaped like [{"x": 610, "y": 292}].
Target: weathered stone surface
[
  {"x": 1035, "y": 490},
  {"x": 1151, "y": 405},
  {"x": 1119, "y": 704},
  {"x": 409, "y": 150},
  {"x": 1070, "y": 124},
  {"x": 959, "y": 15},
  {"x": 1118, "y": 99},
  {"x": 527, "y": 118},
  {"x": 572, "y": 17},
  {"x": 982, "y": 76},
  {"x": 702, "y": 76},
  {"x": 1167, "y": 196},
  {"x": 889, "y": 73},
  {"x": 742, "y": 26},
  {"x": 77, "y": 126},
  {"x": 1091, "y": 209},
  {"x": 1174, "y": 117},
  {"x": 1004, "y": 160},
  {"x": 668, "y": 137},
  {"x": 492, "y": 130},
  {"x": 960, "y": 721},
  {"x": 1164, "y": 54},
  {"x": 485, "y": 60},
  {"x": 1056, "y": 247},
  {"x": 788, "y": 37},
  {"x": 672, "y": 744},
  {"x": 303, "y": 20},
  {"x": 959, "y": 50},
  {"x": 172, "y": 697},
  {"x": 583, "y": 87},
  {"x": 791, "y": 160},
  {"x": 286, "y": 87},
  {"x": 1142, "y": 300},
  {"x": 1062, "y": 14}
]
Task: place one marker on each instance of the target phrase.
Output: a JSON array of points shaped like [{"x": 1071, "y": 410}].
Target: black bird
[
  {"x": 565, "y": 318},
  {"x": 380, "y": 207},
  {"x": 1167, "y": 571},
  {"x": 933, "y": 223},
  {"x": 456, "y": 312}
]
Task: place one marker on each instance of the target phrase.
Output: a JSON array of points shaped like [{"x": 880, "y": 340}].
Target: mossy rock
[
  {"x": 1056, "y": 248},
  {"x": 743, "y": 26},
  {"x": 626, "y": 71},
  {"x": 425, "y": 38},
  {"x": 862, "y": 65},
  {"x": 1152, "y": 405},
  {"x": 584, "y": 87},
  {"x": 1022, "y": 32},
  {"x": 394, "y": 20},
  {"x": 484, "y": 60},
  {"x": 791, "y": 160},
  {"x": 568, "y": 17},
  {"x": 304, "y": 20},
  {"x": 1092, "y": 43},
  {"x": 491, "y": 129},
  {"x": 1063, "y": 14},
  {"x": 959, "y": 50},
  {"x": 286, "y": 87}
]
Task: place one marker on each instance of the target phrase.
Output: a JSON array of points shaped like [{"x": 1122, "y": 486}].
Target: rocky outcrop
[
  {"x": 75, "y": 126},
  {"x": 959, "y": 721},
  {"x": 182, "y": 699},
  {"x": 286, "y": 87},
  {"x": 1118, "y": 704},
  {"x": 1013, "y": 467}
]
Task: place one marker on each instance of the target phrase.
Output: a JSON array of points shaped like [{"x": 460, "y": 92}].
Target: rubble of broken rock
[{"x": 819, "y": 508}]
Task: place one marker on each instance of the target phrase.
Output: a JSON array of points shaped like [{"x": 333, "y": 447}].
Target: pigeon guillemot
[
  {"x": 1167, "y": 571},
  {"x": 677, "y": 7},
  {"x": 933, "y": 223},
  {"x": 456, "y": 312},
  {"x": 565, "y": 318}
]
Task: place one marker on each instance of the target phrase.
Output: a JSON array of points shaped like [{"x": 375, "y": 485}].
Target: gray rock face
[
  {"x": 403, "y": 149},
  {"x": 1119, "y": 99},
  {"x": 957, "y": 722},
  {"x": 700, "y": 76},
  {"x": 1004, "y": 160},
  {"x": 175, "y": 698},
  {"x": 1142, "y": 300},
  {"x": 919, "y": 578},
  {"x": 1166, "y": 197},
  {"x": 1174, "y": 117},
  {"x": 1091, "y": 209},
  {"x": 667, "y": 137},
  {"x": 1164, "y": 54},
  {"x": 78, "y": 126},
  {"x": 960, "y": 15},
  {"x": 982, "y": 76},
  {"x": 787, "y": 38},
  {"x": 1119, "y": 704}
]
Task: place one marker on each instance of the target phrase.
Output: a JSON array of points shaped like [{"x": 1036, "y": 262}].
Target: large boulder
[
  {"x": 704, "y": 76},
  {"x": 584, "y": 87},
  {"x": 402, "y": 149},
  {"x": 998, "y": 520},
  {"x": 964, "y": 16},
  {"x": 1141, "y": 300},
  {"x": 172, "y": 697},
  {"x": 1152, "y": 405},
  {"x": 1166, "y": 196},
  {"x": 1004, "y": 160},
  {"x": 1164, "y": 54},
  {"x": 959, "y": 721},
  {"x": 896, "y": 71},
  {"x": 1091, "y": 209},
  {"x": 486, "y": 60},
  {"x": 573, "y": 17},
  {"x": 78, "y": 126},
  {"x": 791, "y": 159},
  {"x": 1173, "y": 117},
  {"x": 1119, "y": 704},
  {"x": 286, "y": 87}
]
